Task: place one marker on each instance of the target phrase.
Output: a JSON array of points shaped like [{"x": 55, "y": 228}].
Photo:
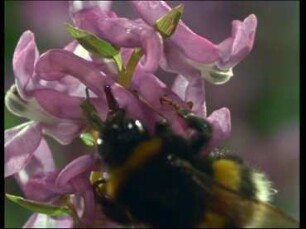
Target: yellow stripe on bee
[
  {"x": 227, "y": 173},
  {"x": 141, "y": 154}
]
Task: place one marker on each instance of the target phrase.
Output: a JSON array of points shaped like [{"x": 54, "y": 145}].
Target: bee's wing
[{"x": 262, "y": 214}]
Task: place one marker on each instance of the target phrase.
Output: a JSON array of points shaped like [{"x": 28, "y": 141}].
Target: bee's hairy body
[
  {"x": 154, "y": 192},
  {"x": 161, "y": 181}
]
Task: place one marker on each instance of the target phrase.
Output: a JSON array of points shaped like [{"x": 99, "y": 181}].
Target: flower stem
[{"x": 126, "y": 78}]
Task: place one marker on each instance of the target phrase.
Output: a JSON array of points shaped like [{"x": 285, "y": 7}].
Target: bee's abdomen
[
  {"x": 160, "y": 196},
  {"x": 233, "y": 174}
]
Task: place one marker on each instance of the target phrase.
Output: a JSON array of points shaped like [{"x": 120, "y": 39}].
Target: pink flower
[
  {"x": 50, "y": 88},
  {"x": 41, "y": 181},
  {"x": 121, "y": 32},
  {"x": 189, "y": 54},
  {"x": 220, "y": 119}
]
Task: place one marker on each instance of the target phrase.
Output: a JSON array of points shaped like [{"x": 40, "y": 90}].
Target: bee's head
[{"x": 120, "y": 134}]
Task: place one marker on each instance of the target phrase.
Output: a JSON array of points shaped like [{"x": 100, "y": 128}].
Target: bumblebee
[{"x": 160, "y": 181}]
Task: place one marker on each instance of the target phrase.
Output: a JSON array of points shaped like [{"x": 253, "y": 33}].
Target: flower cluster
[{"x": 50, "y": 88}]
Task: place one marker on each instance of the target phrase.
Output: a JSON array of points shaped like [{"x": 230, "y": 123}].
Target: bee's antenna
[
  {"x": 176, "y": 105},
  {"x": 171, "y": 102},
  {"x": 111, "y": 101}
]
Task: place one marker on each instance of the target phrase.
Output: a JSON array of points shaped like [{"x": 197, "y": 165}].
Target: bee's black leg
[
  {"x": 110, "y": 207},
  {"x": 203, "y": 129},
  {"x": 201, "y": 126}
]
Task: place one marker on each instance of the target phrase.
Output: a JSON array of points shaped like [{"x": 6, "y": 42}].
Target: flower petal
[
  {"x": 45, "y": 221},
  {"x": 37, "y": 178},
  {"x": 89, "y": 211},
  {"x": 76, "y": 6},
  {"x": 152, "y": 89},
  {"x": 192, "y": 45},
  {"x": 122, "y": 32},
  {"x": 42, "y": 162},
  {"x": 59, "y": 114},
  {"x": 82, "y": 185},
  {"x": 71, "y": 47},
  {"x": 43, "y": 188},
  {"x": 179, "y": 86},
  {"x": 59, "y": 104},
  {"x": 221, "y": 124},
  {"x": 187, "y": 53},
  {"x": 239, "y": 45},
  {"x": 20, "y": 145},
  {"x": 195, "y": 93},
  {"x": 56, "y": 63},
  {"x": 78, "y": 166},
  {"x": 130, "y": 34},
  {"x": 174, "y": 60},
  {"x": 25, "y": 56},
  {"x": 64, "y": 131}
]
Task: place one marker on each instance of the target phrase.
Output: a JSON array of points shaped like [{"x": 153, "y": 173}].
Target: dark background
[{"x": 263, "y": 96}]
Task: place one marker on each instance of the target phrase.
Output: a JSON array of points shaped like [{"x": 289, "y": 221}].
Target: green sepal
[
  {"x": 96, "y": 45},
  {"x": 166, "y": 24},
  {"x": 88, "y": 139},
  {"x": 40, "y": 207},
  {"x": 91, "y": 115}
]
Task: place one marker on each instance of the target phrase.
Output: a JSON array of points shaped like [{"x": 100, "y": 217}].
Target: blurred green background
[{"x": 263, "y": 96}]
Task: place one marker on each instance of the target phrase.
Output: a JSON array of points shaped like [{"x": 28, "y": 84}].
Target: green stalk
[{"x": 126, "y": 78}]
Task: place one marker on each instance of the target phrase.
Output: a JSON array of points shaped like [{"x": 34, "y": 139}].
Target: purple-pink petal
[
  {"x": 59, "y": 104},
  {"x": 75, "y": 168},
  {"x": 122, "y": 32},
  {"x": 25, "y": 56},
  {"x": 44, "y": 221},
  {"x": 174, "y": 60},
  {"x": 221, "y": 123},
  {"x": 195, "y": 93},
  {"x": 64, "y": 131},
  {"x": 179, "y": 86},
  {"x": 82, "y": 185},
  {"x": 71, "y": 46},
  {"x": 195, "y": 48},
  {"x": 42, "y": 162},
  {"x": 89, "y": 208},
  {"x": 235, "y": 48},
  {"x": 192, "y": 45},
  {"x": 38, "y": 176},
  {"x": 43, "y": 187},
  {"x": 76, "y": 6},
  {"x": 20, "y": 145},
  {"x": 57, "y": 63},
  {"x": 130, "y": 34},
  {"x": 152, "y": 89}
]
